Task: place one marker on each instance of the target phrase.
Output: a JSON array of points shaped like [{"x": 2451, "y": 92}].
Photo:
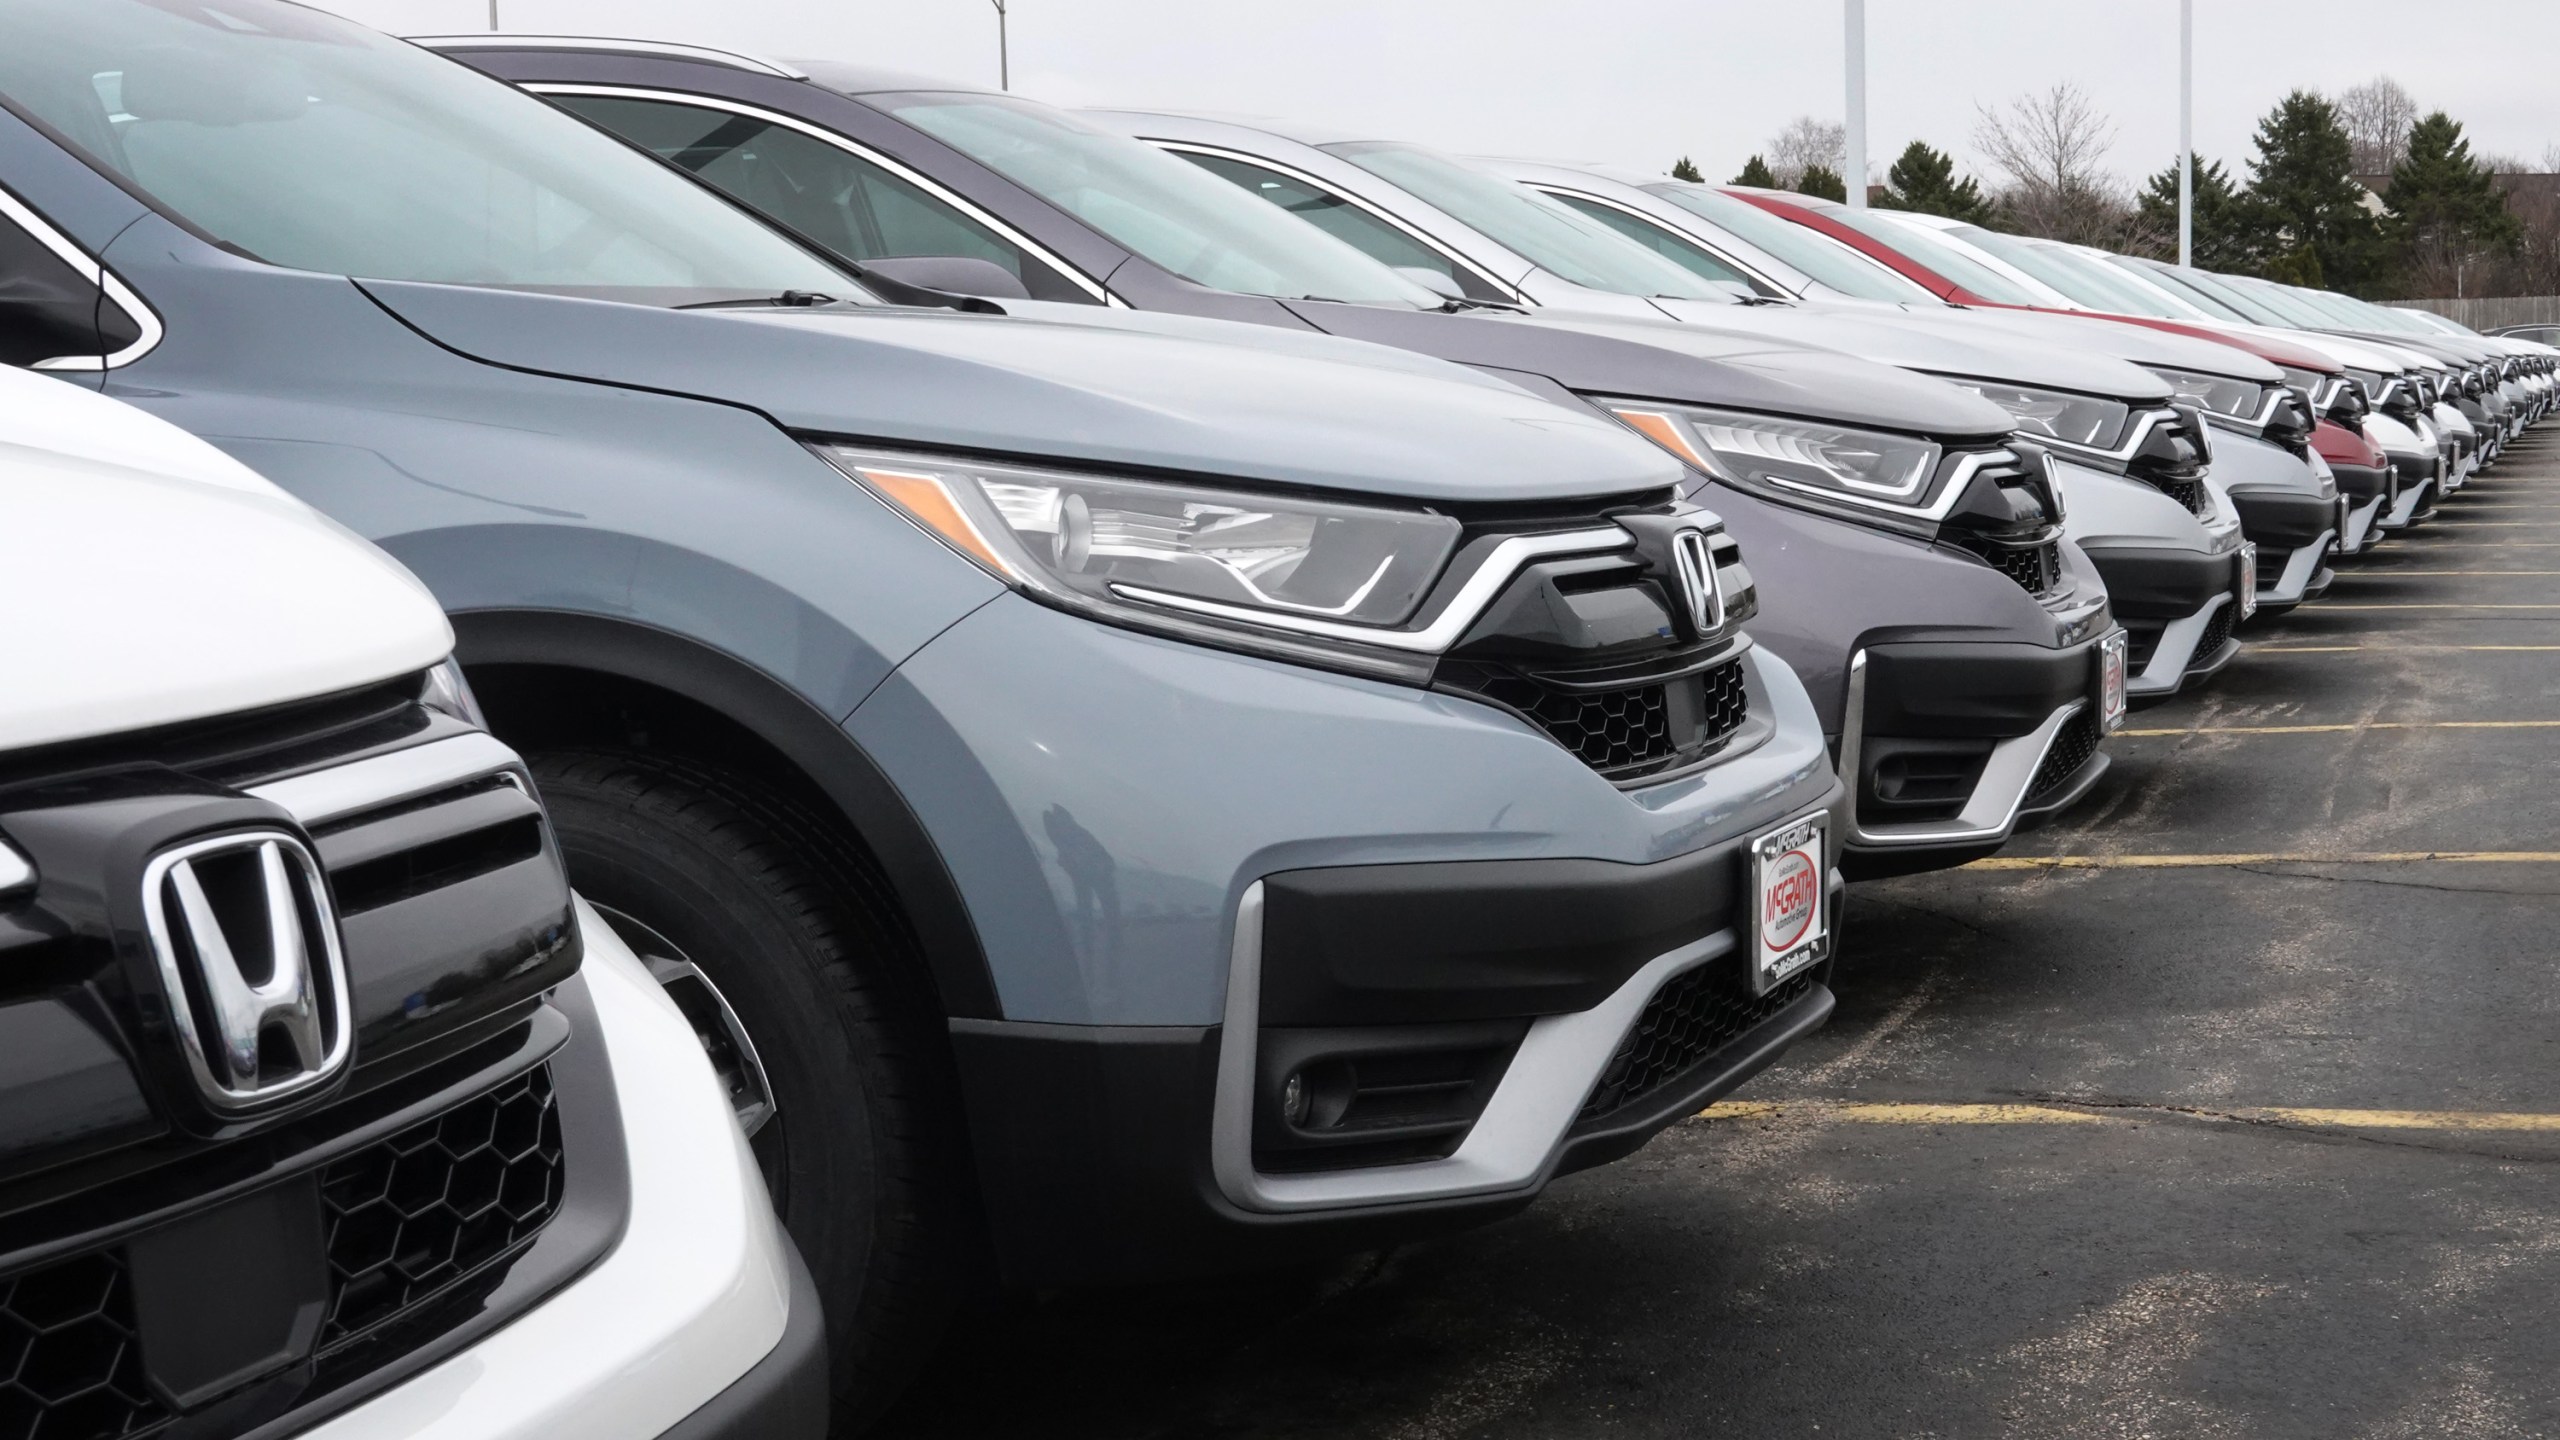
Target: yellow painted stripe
[
  {"x": 2413, "y": 1119},
  {"x": 1883, "y": 1113},
  {"x": 2267, "y": 857},
  {"x": 1903, "y": 1114},
  {"x": 2326, "y": 606},
  {"x": 2400, "y": 574},
  {"x": 2344, "y": 728}
]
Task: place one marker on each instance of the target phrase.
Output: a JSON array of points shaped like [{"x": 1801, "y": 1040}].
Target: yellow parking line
[
  {"x": 2340, "y": 729},
  {"x": 2327, "y": 606},
  {"x": 2397, "y": 574},
  {"x": 2266, "y": 857},
  {"x": 1882, "y": 1113},
  {"x": 2414, "y": 1119}
]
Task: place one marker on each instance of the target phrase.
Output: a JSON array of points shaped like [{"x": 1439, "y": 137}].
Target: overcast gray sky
[{"x": 1640, "y": 82}]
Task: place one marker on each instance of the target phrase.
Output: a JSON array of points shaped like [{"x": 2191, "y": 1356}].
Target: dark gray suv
[{"x": 1961, "y": 651}]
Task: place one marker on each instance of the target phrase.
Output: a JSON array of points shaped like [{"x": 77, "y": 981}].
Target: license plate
[
  {"x": 2111, "y": 668},
  {"x": 2248, "y": 578},
  {"x": 1790, "y": 916}
]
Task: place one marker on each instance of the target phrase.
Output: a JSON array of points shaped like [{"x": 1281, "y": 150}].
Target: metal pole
[
  {"x": 493, "y": 17},
  {"x": 2186, "y": 132},
  {"x": 1004, "y": 55},
  {"x": 1853, "y": 22}
]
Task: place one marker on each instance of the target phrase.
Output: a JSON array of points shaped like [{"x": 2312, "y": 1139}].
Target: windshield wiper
[{"x": 787, "y": 300}]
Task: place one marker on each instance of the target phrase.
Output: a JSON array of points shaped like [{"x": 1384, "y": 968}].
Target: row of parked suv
[{"x": 1123, "y": 695}]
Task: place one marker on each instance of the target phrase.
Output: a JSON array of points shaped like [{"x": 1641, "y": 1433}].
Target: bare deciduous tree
[
  {"x": 1807, "y": 142},
  {"x": 2378, "y": 114},
  {"x": 2052, "y": 148}
]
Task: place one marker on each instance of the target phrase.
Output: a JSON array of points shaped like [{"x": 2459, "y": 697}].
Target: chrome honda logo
[
  {"x": 1694, "y": 563},
  {"x": 247, "y": 946}
]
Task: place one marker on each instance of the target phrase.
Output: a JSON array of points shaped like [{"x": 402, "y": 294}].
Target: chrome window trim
[
  {"x": 1292, "y": 172},
  {"x": 1461, "y": 613},
  {"x": 1549, "y": 187},
  {"x": 859, "y": 151},
  {"x": 334, "y": 792},
  {"x": 1509, "y": 1147},
  {"x": 497, "y": 41},
  {"x": 60, "y": 245}
]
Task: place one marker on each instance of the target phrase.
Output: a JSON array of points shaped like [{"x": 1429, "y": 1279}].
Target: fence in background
[{"x": 2490, "y": 313}]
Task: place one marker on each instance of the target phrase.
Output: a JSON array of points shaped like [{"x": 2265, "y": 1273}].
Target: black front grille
[
  {"x": 418, "y": 1213},
  {"x": 70, "y": 1368},
  {"x": 2072, "y": 746},
  {"x": 1634, "y": 730},
  {"x": 1688, "y": 1020}
]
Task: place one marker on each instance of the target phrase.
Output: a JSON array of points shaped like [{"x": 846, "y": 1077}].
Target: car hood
[
  {"x": 153, "y": 579},
  {"x": 2137, "y": 343},
  {"x": 1073, "y": 383},
  {"x": 1681, "y": 364},
  {"x": 1948, "y": 346}
]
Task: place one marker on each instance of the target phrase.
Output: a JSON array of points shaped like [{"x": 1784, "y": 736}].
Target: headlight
[
  {"x": 1892, "y": 474},
  {"x": 2216, "y": 394},
  {"x": 2311, "y": 385},
  {"x": 1302, "y": 576},
  {"x": 2054, "y": 414},
  {"x": 447, "y": 693}
]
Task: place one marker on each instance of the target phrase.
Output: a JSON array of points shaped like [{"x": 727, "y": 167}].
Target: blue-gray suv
[{"x": 1125, "y": 794}]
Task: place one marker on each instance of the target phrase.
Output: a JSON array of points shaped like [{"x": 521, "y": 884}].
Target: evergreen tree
[
  {"x": 1822, "y": 180},
  {"x": 1756, "y": 171},
  {"x": 1924, "y": 179},
  {"x": 2302, "y": 202},
  {"x": 2225, "y": 233},
  {"x": 2447, "y": 212},
  {"x": 1687, "y": 169}
]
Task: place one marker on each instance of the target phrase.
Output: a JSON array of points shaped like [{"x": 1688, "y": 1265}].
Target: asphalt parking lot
[{"x": 2228, "y": 1106}]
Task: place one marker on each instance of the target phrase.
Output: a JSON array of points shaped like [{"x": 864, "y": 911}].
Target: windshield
[
  {"x": 2082, "y": 279},
  {"x": 1918, "y": 244},
  {"x": 1529, "y": 224},
  {"x": 2291, "y": 309},
  {"x": 1193, "y": 224},
  {"x": 308, "y": 141},
  {"x": 2218, "y": 288},
  {"x": 1822, "y": 259}
]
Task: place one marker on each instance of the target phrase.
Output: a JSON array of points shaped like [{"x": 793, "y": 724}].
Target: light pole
[
  {"x": 493, "y": 17},
  {"x": 1853, "y": 26},
  {"x": 2186, "y": 132},
  {"x": 1004, "y": 60}
]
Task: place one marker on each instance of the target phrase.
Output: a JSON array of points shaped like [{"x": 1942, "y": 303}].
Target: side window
[
  {"x": 49, "y": 309},
  {"x": 834, "y": 197},
  {"x": 1696, "y": 259},
  {"x": 1345, "y": 222}
]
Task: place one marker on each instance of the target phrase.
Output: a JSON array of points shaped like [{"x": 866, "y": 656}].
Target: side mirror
[
  {"x": 1436, "y": 281},
  {"x": 952, "y": 275}
]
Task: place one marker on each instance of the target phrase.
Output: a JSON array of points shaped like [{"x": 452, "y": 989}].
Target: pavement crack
[
  {"x": 2263, "y": 1121},
  {"x": 2336, "y": 879}
]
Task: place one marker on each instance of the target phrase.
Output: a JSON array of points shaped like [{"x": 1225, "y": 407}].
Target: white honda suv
[{"x": 325, "y": 1107}]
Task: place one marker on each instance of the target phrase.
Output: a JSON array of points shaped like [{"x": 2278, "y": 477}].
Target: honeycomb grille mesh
[
  {"x": 70, "y": 1368},
  {"x": 2072, "y": 746},
  {"x": 425, "y": 1209},
  {"x": 2217, "y": 629},
  {"x": 2036, "y": 568},
  {"x": 1694, "y": 1015},
  {"x": 1618, "y": 731}
]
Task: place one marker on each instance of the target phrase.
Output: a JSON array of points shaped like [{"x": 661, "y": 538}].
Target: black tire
[{"x": 798, "y": 931}]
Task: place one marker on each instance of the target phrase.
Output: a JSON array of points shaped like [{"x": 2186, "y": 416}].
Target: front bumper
[
  {"x": 2367, "y": 491},
  {"x": 701, "y": 1294},
  {"x": 1160, "y": 979},
  {"x": 2294, "y": 533},
  {"x": 1946, "y": 747},
  {"x": 2180, "y": 609}
]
